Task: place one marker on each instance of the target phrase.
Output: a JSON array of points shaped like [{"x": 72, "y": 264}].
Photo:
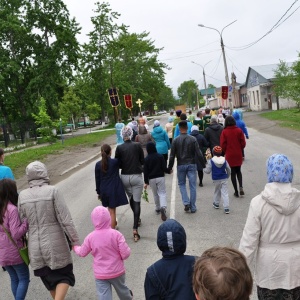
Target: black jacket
[
  {"x": 131, "y": 158},
  {"x": 170, "y": 277},
  {"x": 212, "y": 134},
  {"x": 155, "y": 164},
  {"x": 185, "y": 148}
]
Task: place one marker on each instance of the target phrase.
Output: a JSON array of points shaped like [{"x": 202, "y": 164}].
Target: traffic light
[{"x": 224, "y": 92}]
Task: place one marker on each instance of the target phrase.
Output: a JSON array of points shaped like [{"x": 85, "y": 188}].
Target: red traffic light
[{"x": 224, "y": 92}]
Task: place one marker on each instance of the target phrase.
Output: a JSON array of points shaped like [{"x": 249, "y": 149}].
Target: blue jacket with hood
[
  {"x": 171, "y": 276},
  {"x": 240, "y": 123}
]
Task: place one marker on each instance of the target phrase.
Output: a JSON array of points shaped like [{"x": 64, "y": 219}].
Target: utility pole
[{"x": 204, "y": 79}]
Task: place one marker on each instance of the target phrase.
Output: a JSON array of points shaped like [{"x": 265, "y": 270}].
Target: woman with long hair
[
  {"x": 232, "y": 142},
  {"x": 109, "y": 186},
  {"x": 10, "y": 223}
]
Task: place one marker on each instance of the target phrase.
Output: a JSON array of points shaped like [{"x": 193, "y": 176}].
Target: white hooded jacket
[{"x": 272, "y": 236}]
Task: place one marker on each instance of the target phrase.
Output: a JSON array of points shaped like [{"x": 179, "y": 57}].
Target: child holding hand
[{"x": 109, "y": 249}]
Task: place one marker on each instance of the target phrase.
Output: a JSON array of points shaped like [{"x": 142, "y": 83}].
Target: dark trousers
[
  {"x": 236, "y": 173},
  {"x": 278, "y": 294}
]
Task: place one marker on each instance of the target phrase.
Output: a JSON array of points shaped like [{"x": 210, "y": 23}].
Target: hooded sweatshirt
[
  {"x": 107, "y": 246},
  {"x": 174, "y": 271},
  {"x": 155, "y": 164},
  {"x": 218, "y": 167},
  {"x": 272, "y": 236},
  {"x": 213, "y": 133},
  {"x": 240, "y": 123},
  {"x": 161, "y": 138}
]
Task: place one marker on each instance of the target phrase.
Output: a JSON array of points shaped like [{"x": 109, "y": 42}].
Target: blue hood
[
  {"x": 236, "y": 115},
  {"x": 171, "y": 238}
]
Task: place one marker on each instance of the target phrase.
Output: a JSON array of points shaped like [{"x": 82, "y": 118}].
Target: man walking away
[{"x": 184, "y": 148}]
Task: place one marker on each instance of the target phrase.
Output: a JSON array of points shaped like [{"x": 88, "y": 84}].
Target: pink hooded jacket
[
  {"x": 107, "y": 245},
  {"x": 9, "y": 254}
]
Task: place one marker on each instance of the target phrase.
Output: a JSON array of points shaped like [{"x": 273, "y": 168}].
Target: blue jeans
[
  {"x": 189, "y": 171},
  {"x": 19, "y": 278}
]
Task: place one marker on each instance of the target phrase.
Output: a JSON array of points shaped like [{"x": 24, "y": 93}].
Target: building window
[
  {"x": 257, "y": 94},
  {"x": 253, "y": 97}
]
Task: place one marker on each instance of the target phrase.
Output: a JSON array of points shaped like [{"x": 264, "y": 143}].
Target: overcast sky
[{"x": 173, "y": 25}]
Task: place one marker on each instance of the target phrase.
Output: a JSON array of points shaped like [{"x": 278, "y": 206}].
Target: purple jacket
[{"x": 9, "y": 254}]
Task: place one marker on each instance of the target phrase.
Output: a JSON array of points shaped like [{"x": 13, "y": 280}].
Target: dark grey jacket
[{"x": 184, "y": 148}]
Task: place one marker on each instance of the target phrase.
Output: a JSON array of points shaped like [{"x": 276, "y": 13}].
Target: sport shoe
[
  {"x": 201, "y": 184},
  {"x": 157, "y": 211},
  {"x": 187, "y": 207},
  {"x": 163, "y": 214},
  {"x": 242, "y": 193},
  {"x": 226, "y": 210},
  {"x": 236, "y": 194},
  {"x": 215, "y": 205}
]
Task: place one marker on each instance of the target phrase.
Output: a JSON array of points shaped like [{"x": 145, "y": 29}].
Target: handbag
[{"x": 22, "y": 251}]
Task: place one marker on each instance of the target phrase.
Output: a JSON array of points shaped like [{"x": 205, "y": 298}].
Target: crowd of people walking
[{"x": 202, "y": 144}]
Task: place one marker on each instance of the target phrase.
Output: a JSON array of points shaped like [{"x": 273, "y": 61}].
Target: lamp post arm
[{"x": 226, "y": 27}]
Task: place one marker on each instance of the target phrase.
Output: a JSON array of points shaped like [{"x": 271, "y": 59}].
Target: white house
[{"x": 259, "y": 84}]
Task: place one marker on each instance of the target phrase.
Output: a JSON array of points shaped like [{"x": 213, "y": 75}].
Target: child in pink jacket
[{"x": 109, "y": 249}]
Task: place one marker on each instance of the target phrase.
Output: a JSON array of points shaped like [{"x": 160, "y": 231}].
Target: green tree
[
  {"x": 287, "y": 81},
  {"x": 211, "y": 86},
  {"x": 166, "y": 98},
  {"x": 38, "y": 53},
  {"x": 93, "y": 111},
  {"x": 187, "y": 93},
  {"x": 97, "y": 53},
  {"x": 56, "y": 50},
  {"x": 71, "y": 106},
  {"x": 43, "y": 121}
]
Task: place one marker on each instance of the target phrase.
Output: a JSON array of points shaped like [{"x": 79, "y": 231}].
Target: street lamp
[
  {"x": 222, "y": 46},
  {"x": 204, "y": 79}
]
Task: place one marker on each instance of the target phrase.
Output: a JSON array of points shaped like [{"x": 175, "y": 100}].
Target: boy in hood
[
  {"x": 220, "y": 172},
  {"x": 170, "y": 278}
]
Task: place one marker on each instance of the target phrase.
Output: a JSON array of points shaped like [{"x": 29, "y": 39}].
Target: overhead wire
[{"x": 276, "y": 25}]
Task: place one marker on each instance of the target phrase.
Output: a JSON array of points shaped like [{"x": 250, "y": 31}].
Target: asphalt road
[{"x": 206, "y": 228}]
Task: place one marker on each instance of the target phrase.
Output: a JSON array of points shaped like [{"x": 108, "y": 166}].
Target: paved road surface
[{"x": 206, "y": 228}]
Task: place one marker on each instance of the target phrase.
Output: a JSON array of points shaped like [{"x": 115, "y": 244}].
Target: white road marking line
[{"x": 174, "y": 185}]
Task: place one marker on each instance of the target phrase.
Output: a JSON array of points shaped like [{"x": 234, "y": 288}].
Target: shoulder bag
[{"x": 22, "y": 251}]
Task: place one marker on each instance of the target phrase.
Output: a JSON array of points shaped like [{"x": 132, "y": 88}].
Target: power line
[
  {"x": 275, "y": 26},
  {"x": 236, "y": 66},
  {"x": 180, "y": 57}
]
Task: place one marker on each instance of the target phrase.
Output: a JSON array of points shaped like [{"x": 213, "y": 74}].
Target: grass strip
[
  {"x": 18, "y": 161},
  {"x": 289, "y": 118}
]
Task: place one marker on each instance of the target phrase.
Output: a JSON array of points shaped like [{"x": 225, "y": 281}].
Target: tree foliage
[
  {"x": 287, "y": 81},
  {"x": 70, "y": 106},
  {"x": 43, "y": 121},
  {"x": 187, "y": 93},
  {"x": 41, "y": 58}
]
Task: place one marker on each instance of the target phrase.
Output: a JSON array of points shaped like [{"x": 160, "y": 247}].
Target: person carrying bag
[
  {"x": 12, "y": 231},
  {"x": 23, "y": 251}
]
